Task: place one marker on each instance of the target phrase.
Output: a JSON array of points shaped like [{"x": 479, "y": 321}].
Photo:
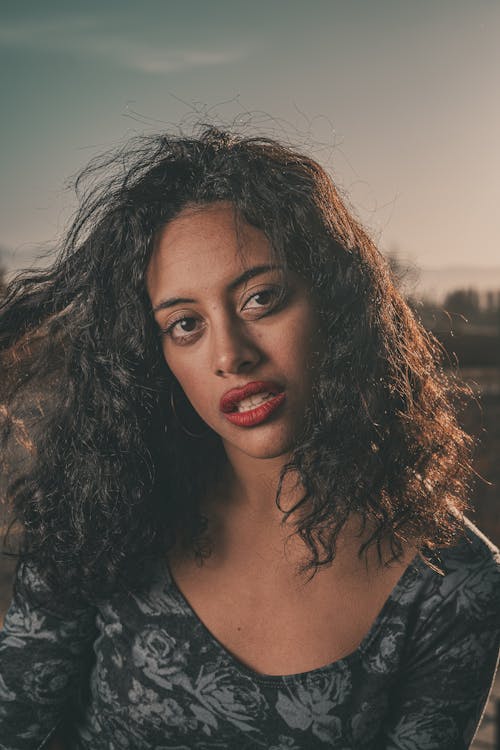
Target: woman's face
[{"x": 226, "y": 325}]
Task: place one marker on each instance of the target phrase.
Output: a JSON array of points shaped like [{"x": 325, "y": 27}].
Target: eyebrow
[{"x": 246, "y": 276}]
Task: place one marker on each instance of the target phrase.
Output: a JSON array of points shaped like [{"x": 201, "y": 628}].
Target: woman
[{"x": 234, "y": 457}]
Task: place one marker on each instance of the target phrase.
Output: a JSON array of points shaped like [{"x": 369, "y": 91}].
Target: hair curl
[{"x": 100, "y": 477}]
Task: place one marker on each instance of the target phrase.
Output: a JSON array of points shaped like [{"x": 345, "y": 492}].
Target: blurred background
[{"x": 398, "y": 100}]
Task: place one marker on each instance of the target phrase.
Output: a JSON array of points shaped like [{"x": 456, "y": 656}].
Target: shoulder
[
  {"x": 474, "y": 561},
  {"x": 475, "y": 548},
  {"x": 450, "y": 636},
  {"x": 32, "y": 590},
  {"x": 469, "y": 586}
]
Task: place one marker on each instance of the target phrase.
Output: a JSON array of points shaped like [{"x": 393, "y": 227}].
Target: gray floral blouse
[{"x": 144, "y": 672}]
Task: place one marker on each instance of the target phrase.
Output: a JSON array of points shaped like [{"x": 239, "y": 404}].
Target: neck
[
  {"x": 245, "y": 523},
  {"x": 248, "y": 487}
]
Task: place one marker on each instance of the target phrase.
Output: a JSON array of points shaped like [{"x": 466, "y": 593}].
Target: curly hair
[{"x": 98, "y": 474}]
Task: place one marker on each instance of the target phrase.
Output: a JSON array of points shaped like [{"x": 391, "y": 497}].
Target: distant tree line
[
  {"x": 465, "y": 309},
  {"x": 477, "y": 308}
]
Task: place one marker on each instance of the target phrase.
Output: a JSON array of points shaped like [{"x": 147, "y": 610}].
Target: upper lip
[{"x": 235, "y": 395}]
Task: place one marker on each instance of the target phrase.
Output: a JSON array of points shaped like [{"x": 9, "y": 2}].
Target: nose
[{"x": 233, "y": 349}]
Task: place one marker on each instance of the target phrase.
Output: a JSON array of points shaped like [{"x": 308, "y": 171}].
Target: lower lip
[{"x": 259, "y": 414}]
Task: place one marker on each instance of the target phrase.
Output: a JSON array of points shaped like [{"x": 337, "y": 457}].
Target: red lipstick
[{"x": 229, "y": 403}]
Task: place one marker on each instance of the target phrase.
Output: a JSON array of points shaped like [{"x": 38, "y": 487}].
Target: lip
[
  {"x": 231, "y": 398},
  {"x": 258, "y": 414}
]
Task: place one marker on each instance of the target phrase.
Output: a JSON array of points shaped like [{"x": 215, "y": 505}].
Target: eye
[
  {"x": 181, "y": 329},
  {"x": 268, "y": 298}
]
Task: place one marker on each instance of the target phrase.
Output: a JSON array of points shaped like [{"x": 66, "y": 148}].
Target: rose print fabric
[{"x": 143, "y": 672}]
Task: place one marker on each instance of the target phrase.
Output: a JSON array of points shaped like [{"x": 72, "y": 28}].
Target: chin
[
  {"x": 269, "y": 454},
  {"x": 263, "y": 449}
]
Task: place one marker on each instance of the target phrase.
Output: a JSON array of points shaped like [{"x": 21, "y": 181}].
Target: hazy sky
[{"x": 399, "y": 98}]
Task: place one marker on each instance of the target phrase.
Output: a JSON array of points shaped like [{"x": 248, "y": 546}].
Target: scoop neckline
[{"x": 406, "y": 578}]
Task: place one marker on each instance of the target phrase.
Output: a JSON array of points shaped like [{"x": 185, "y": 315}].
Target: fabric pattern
[{"x": 143, "y": 671}]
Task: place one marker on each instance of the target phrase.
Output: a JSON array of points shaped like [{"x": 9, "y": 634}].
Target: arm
[
  {"x": 43, "y": 655},
  {"x": 439, "y": 701}
]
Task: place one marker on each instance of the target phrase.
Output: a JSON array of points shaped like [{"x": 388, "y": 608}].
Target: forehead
[{"x": 205, "y": 245}]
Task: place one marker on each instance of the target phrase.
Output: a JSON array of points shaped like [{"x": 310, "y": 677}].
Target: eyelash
[{"x": 278, "y": 296}]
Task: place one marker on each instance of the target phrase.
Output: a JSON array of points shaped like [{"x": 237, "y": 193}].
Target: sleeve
[
  {"x": 447, "y": 675},
  {"x": 44, "y": 655}
]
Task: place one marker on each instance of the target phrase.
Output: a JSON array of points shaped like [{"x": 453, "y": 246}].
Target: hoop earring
[{"x": 184, "y": 429}]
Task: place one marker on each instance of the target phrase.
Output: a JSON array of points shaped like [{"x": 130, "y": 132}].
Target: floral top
[{"x": 144, "y": 672}]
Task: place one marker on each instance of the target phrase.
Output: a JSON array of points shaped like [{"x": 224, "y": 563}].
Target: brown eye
[
  {"x": 265, "y": 298},
  {"x": 186, "y": 324},
  {"x": 182, "y": 329}
]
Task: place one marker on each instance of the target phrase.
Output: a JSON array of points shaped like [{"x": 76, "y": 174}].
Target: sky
[{"x": 397, "y": 98}]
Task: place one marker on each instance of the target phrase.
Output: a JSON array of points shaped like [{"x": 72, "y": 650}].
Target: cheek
[{"x": 299, "y": 339}]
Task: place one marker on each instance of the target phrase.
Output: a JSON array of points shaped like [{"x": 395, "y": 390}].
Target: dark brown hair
[{"x": 111, "y": 479}]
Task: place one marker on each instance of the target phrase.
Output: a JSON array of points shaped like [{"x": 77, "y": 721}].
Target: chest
[
  {"x": 161, "y": 679},
  {"x": 213, "y": 658},
  {"x": 275, "y": 626}
]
